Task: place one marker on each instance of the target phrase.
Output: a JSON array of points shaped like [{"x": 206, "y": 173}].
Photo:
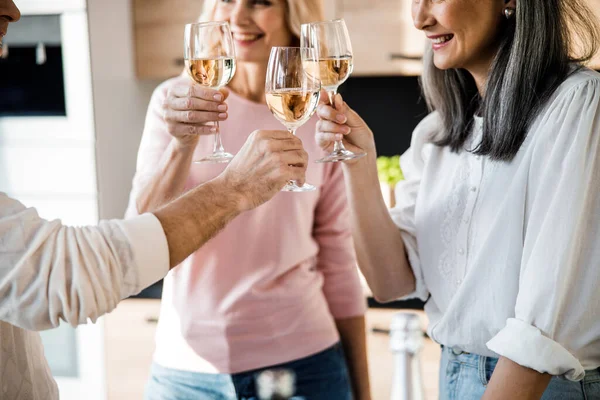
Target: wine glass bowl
[
  {"x": 292, "y": 107},
  {"x": 292, "y": 95},
  {"x": 331, "y": 62},
  {"x": 332, "y": 72},
  {"x": 212, "y": 73},
  {"x": 210, "y": 61}
]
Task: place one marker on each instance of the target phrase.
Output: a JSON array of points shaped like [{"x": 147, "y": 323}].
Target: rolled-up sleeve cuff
[
  {"x": 149, "y": 247},
  {"x": 420, "y": 291},
  {"x": 527, "y": 346}
]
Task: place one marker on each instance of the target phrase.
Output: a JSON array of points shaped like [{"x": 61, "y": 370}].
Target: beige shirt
[{"x": 50, "y": 272}]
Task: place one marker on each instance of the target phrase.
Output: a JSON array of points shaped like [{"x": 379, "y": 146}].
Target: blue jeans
[
  {"x": 323, "y": 376},
  {"x": 464, "y": 376}
]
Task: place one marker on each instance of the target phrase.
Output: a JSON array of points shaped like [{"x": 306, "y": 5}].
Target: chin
[
  {"x": 251, "y": 59},
  {"x": 246, "y": 55},
  {"x": 243, "y": 57},
  {"x": 443, "y": 63}
]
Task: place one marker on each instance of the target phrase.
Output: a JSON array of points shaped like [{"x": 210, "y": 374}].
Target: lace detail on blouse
[{"x": 454, "y": 209}]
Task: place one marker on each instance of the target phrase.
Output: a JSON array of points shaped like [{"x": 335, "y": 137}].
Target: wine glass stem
[
  {"x": 293, "y": 132},
  {"x": 331, "y": 94},
  {"x": 218, "y": 147},
  {"x": 338, "y": 145}
]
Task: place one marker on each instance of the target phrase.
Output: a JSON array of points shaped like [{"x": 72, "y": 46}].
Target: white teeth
[
  {"x": 245, "y": 36},
  {"x": 441, "y": 39}
]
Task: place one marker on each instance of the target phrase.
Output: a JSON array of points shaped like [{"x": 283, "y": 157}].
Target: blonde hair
[{"x": 297, "y": 12}]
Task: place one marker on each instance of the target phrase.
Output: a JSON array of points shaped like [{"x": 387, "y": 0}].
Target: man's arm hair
[{"x": 194, "y": 218}]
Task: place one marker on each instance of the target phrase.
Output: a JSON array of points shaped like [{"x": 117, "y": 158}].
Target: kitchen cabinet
[
  {"x": 129, "y": 345},
  {"x": 384, "y": 39},
  {"x": 158, "y": 35}
]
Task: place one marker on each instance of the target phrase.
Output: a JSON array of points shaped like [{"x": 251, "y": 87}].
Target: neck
[
  {"x": 481, "y": 72},
  {"x": 480, "y": 75},
  {"x": 249, "y": 81}
]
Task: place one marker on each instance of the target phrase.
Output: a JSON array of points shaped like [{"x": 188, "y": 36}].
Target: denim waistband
[{"x": 489, "y": 363}]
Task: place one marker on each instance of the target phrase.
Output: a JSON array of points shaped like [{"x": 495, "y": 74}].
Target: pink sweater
[{"x": 267, "y": 289}]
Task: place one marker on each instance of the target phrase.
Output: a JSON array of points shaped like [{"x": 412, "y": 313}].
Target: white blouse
[{"x": 507, "y": 254}]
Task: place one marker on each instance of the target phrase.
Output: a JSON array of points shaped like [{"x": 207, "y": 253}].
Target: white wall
[{"x": 120, "y": 102}]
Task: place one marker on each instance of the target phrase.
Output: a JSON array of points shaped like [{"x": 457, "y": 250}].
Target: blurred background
[{"x": 75, "y": 80}]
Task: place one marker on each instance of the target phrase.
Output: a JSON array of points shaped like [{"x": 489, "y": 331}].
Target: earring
[{"x": 509, "y": 12}]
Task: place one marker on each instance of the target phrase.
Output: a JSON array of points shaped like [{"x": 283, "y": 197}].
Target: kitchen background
[{"x": 71, "y": 117}]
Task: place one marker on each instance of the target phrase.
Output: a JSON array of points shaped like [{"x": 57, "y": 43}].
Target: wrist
[
  {"x": 363, "y": 166},
  {"x": 230, "y": 193},
  {"x": 185, "y": 145},
  {"x": 361, "y": 178}
]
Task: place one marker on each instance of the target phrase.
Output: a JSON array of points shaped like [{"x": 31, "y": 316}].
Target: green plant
[{"x": 388, "y": 169}]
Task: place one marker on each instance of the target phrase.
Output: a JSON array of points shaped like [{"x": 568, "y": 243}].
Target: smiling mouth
[
  {"x": 247, "y": 37},
  {"x": 442, "y": 39}
]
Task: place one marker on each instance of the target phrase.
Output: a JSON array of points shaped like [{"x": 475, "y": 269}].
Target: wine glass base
[
  {"x": 215, "y": 158},
  {"x": 340, "y": 155},
  {"x": 293, "y": 187}
]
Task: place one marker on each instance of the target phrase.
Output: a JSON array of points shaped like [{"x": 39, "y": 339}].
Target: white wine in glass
[
  {"x": 210, "y": 61},
  {"x": 292, "y": 107},
  {"x": 331, "y": 62},
  {"x": 211, "y": 72},
  {"x": 332, "y": 72},
  {"x": 292, "y": 95}
]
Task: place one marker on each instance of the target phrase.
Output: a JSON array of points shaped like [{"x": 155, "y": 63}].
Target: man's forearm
[
  {"x": 354, "y": 341},
  {"x": 513, "y": 381},
  {"x": 197, "y": 216}
]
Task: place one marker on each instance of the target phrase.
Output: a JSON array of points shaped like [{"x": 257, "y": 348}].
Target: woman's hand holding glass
[
  {"x": 343, "y": 123},
  {"x": 190, "y": 110},
  {"x": 331, "y": 61},
  {"x": 210, "y": 62}
]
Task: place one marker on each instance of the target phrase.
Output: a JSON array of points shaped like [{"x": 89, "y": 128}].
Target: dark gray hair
[{"x": 537, "y": 49}]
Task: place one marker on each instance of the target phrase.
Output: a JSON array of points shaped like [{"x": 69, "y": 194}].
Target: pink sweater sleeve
[
  {"x": 336, "y": 258},
  {"x": 155, "y": 140}
]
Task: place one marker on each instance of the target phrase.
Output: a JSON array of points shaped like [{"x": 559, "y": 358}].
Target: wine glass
[
  {"x": 210, "y": 61},
  {"x": 292, "y": 95},
  {"x": 331, "y": 62}
]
